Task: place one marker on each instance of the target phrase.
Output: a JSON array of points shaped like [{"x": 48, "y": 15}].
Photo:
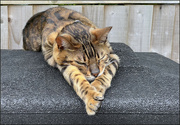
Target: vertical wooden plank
[
  {"x": 18, "y": 16},
  {"x": 40, "y": 8},
  {"x": 95, "y": 13},
  {"x": 4, "y": 27},
  {"x": 117, "y": 16},
  {"x": 162, "y": 29},
  {"x": 175, "y": 45},
  {"x": 139, "y": 29},
  {"x": 76, "y": 8}
]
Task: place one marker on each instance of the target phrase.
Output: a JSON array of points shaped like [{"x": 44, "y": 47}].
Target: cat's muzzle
[{"x": 90, "y": 78}]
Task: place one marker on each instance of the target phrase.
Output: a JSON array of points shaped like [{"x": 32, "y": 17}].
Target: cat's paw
[
  {"x": 93, "y": 103},
  {"x": 99, "y": 87},
  {"x": 98, "y": 96},
  {"x": 92, "y": 106}
]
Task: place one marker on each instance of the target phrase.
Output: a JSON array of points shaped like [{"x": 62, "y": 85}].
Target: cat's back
[
  {"x": 58, "y": 14},
  {"x": 54, "y": 16},
  {"x": 51, "y": 18},
  {"x": 61, "y": 13}
]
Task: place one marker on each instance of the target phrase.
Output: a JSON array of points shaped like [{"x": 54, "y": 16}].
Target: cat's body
[{"x": 73, "y": 44}]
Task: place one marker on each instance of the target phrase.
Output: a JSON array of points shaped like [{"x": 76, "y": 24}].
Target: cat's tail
[{"x": 32, "y": 33}]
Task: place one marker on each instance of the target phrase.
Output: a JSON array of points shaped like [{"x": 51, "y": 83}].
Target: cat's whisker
[
  {"x": 110, "y": 63},
  {"x": 101, "y": 72}
]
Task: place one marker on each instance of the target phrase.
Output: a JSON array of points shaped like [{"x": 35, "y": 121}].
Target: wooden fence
[{"x": 145, "y": 28}]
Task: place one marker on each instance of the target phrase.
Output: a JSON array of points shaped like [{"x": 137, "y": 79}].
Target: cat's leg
[
  {"x": 91, "y": 97},
  {"x": 103, "y": 82}
]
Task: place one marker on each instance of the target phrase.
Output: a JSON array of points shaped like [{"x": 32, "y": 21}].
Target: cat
[{"x": 73, "y": 44}]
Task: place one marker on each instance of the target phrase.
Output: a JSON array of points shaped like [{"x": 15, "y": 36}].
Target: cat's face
[
  {"x": 92, "y": 66},
  {"x": 85, "y": 48}
]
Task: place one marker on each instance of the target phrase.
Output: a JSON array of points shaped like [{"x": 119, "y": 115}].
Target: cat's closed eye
[
  {"x": 81, "y": 63},
  {"x": 105, "y": 57}
]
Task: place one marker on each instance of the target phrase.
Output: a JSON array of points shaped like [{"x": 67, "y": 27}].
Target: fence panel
[
  {"x": 95, "y": 14},
  {"x": 117, "y": 16},
  {"x": 162, "y": 29},
  {"x": 175, "y": 47},
  {"x": 18, "y": 16},
  {"x": 4, "y": 27},
  {"x": 139, "y": 28},
  {"x": 145, "y": 28}
]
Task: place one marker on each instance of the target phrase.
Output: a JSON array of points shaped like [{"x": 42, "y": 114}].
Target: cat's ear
[
  {"x": 64, "y": 42},
  {"x": 100, "y": 35}
]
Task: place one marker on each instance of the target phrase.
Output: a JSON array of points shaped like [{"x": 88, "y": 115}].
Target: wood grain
[
  {"x": 139, "y": 28},
  {"x": 117, "y": 17},
  {"x": 4, "y": 27},
  {"x": 175, "y": 45},
  {"x": 18, "y": 16},
  {"x": 162, "y": 29},
  {"x": 95, "y": 13}
]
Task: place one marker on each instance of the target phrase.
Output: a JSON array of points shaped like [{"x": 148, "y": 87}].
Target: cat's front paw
[
  {"x": 99, "y": 87},
  {"x": 93, "y": 103}
]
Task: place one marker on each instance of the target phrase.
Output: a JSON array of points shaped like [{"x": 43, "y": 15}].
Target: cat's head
[{"x": 86, "y": 48}]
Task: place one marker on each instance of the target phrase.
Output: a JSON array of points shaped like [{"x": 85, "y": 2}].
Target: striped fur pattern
[{"x": 80, "y": 50}]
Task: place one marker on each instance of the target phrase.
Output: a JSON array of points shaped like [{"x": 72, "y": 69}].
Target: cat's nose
[
  {"x": 95, "y": 72},
  {"x": 94, "y": 69}
]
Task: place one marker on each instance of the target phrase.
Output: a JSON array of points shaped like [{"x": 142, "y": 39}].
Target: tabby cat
[{"x": 80, "y": 50}]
